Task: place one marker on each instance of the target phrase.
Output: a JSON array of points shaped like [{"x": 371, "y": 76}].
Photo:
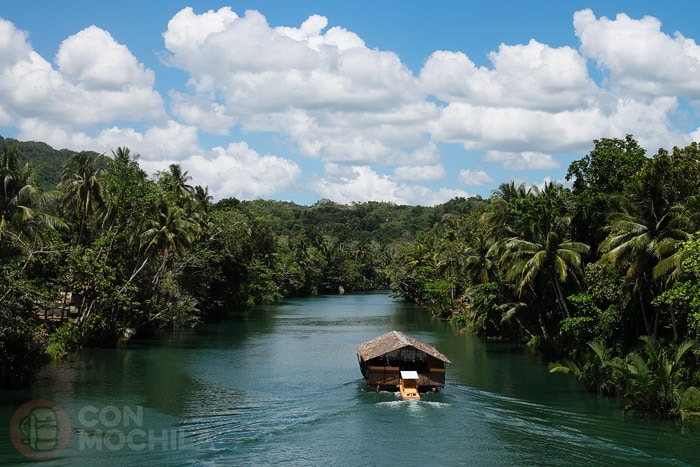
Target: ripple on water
[
  {"x": 229, "y": 420},
  {"x": 587, "y": 438},
  {"x": 413, "y": 406}
]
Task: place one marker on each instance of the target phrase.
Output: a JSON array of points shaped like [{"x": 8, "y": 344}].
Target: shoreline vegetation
[{"x": 602, "y": 278}]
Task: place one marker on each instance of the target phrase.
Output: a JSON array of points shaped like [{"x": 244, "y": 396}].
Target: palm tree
[
  {"x": 21, "y": 201},
  {"x": 690, "y": 210},
  {"x": 598, "y": 370},
  {"x": 202, "y": 198},
  {"x": 83, "y": 188},
  {"x": 643, "y": 237},
  {"x": 176, "y": 182},
  {"x": 122, "y": 155},
  {"x": 125, "y": 189},
  {"x": 500, "y": 213},
  {"x": 539, "y": 256},
  {"x": 481, "y": 265},
  {"x": 554, "y": 259},
  {"x": 198, "y": 208},
  {"x": 656, "y": 382},
  {"x": 419, "y": 256},
  {"x": 171, "y": 230},
  {"x": 24, "y": 222},
  {"x": 508, "y": 192},
  {"x": 17, "y": 189},
  {"x": 535, "y": 267}
]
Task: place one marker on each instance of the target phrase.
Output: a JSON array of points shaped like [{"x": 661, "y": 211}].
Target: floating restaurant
[{"x": 395, "y": 361}]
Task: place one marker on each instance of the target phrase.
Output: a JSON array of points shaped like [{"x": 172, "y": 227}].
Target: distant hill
[
  {"x": 47, "y": 160},
  {"x": 381, "y": 221}
]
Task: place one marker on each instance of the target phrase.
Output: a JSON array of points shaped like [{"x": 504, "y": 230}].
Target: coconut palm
[
  {"x": 170, "y": 230},
  {"x": 501, "y": 209},
  {"x": 82, "y": 185},
  {"x": 643, "y": 236},
  {"x": 419, "y": 256},
  {"x": 126, "y": 191},
  {"x": 176, "y": 182},
  {"x": 122, "y": 155},
  {"x": 539, "y": 259},
  {"x": 202, "y": 198},
  {"x": 21, "y": 202},
  {"x": 554, "y": 259},
  {"x": 481, "y": 261}
]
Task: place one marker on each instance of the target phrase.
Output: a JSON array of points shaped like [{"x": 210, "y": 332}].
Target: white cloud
[
  {"x": 360, "y": 183},
  {"x": 187, "y": 30},
  {"x": 5, "y": 117},
  {"x": 650, "y": 121},
  {"x": 323, "y": 88},
  {"x": 94, "y": 59},
  {"x": 311, "y": 29},
  {"x": 321, "y": 92},
  {"x": 420, "y": 173},
  {"x": 527, "y": 160},
  {"x": 208, "y": 115},
  {"x": 14, "y": 44},
  {"x": 420, "y": 195},
  {"x": 97, "y": 81},
  {"x": 172, "y": 141},
  {"x": 513, "y": 128},
  {"x": 355, "y": 184},
  {"x": 158, "y": 145},
  {"x": 56, "y": 135},
  {"x": 639, "y": 57},
  {"x": 540, "y": 100},
  {"x": 532, "y": 76},
  {"x": 474, "y": 178},
  {"x": 427, "y": 154},
  {"x": 239, "y": 171}
]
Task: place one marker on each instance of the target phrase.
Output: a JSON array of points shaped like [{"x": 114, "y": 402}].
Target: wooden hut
[{"x": 384, "y": 358}]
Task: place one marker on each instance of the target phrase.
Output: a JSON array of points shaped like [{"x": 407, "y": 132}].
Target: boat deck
[{"x": 409, "y": 386}]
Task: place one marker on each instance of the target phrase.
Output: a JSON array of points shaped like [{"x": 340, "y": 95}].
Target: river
[{"x": 281, "y": 385}]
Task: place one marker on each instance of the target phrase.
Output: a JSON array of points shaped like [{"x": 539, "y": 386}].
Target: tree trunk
[
  {"x": 545, "y": 333},
  {"x": 560, "y": 295},
  {"x": 543, "y": 325},
  {"x": 134, "y": 274},
  {"x": 674, "y": 323},
  {"x": 647, "y": 325}
]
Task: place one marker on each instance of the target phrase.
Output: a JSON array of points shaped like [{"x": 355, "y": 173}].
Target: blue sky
[{"x": 403, "y": 101}]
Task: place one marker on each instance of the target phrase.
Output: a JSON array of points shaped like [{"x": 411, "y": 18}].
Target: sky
[{"x": 408, "y": 101}]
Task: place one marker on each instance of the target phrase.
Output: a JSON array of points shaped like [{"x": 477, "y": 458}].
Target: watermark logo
[
  {"x": 40, "y": 429},
  {"x": 114, "y": 428}
]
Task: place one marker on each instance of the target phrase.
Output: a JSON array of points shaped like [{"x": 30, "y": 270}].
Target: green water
[{"x": 281, "y": 385}]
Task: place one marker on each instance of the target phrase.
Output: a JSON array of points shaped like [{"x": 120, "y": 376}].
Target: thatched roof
[{"x": 392, "y": 341}]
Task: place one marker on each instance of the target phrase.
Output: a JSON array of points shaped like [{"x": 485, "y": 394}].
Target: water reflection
[{"x": 281, "y": 384}]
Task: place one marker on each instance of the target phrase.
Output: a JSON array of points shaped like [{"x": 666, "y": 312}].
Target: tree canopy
[{"x": 600, "y": 276}]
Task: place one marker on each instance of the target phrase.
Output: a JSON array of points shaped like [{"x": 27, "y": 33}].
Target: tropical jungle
[{"x": 601, "y": 277}]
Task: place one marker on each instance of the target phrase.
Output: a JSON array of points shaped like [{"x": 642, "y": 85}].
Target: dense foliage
[
  {"x": 93, "y": 251},
  {"x": 602, "y": 277}
]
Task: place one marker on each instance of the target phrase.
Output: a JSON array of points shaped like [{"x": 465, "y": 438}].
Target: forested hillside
[
  {"x": 47, "y": 161},
  {"x": 601, "y": 277}
]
